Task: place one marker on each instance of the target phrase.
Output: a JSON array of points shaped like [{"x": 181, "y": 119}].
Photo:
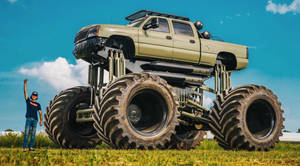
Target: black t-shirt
[{"x": 32, "y": 109}]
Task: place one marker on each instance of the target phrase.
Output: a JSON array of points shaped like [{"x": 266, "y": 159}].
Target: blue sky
[{"x": 36, "y": 42}]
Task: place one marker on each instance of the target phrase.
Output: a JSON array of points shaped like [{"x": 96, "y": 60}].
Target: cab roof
[{"x": 143, "y": 13}]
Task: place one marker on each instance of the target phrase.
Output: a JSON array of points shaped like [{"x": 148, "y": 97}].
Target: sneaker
[
  {"x": 31, "y": 149},
  {"x": 25, "y": 150}
]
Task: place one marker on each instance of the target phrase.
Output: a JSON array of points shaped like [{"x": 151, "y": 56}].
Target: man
[{"x": 31, "y": 117}]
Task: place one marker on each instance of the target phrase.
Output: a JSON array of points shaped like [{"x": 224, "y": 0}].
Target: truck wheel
[
  {"x": 137, "y": 110},
  {"x": 186, "y": 139},
  {"x": 60, "y": 120},
  {"x": 248, "y": 117}
]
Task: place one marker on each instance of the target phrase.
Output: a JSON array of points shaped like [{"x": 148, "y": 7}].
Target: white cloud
[
  {"x": 59, "y": 73},
  {"x": 12, "y": 1},
  {"x": 283, "y": 8}
]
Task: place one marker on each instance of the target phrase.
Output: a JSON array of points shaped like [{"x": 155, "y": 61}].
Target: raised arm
[{"x": 25, "y": 89}]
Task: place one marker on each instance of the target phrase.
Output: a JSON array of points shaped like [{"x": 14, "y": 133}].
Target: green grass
[
  {"x": 209, "y": 153},
  {"x": 12, "y": 140}
]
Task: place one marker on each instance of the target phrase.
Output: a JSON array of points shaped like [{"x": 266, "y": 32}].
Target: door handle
[
  {"x": 192, "y": 41},
  {"x": 168, "y": 37}
]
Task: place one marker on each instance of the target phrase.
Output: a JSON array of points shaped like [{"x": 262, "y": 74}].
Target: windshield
[{"x": 136, "y": 23}]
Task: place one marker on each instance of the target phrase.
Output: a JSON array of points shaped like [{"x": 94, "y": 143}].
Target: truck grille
[{"x": 81, "y": 35}]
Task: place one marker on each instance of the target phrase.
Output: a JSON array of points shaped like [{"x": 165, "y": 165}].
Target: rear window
[{"x": 182, "y": 28}]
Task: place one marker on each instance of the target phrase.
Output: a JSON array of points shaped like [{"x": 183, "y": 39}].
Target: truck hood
[{"x": 107, "y": 30}]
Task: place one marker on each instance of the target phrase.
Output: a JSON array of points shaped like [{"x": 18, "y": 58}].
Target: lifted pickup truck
[{"x": 157, "y": 67}]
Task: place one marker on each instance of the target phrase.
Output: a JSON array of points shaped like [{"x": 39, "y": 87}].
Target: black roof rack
[{"x": 143, "y": 13}]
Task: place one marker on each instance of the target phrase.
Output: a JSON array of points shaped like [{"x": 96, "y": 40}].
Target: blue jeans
[{"x": 30, "y": 128}]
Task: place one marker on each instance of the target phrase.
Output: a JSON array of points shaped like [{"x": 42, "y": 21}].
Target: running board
[
  {"x": 179, "y": 78},
  {"x": 178, "y": 68}
]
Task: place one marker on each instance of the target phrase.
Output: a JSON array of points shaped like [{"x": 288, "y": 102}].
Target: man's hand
[
  {"x": 41, "y": 117},
  {"x": 25, "y": 81}
]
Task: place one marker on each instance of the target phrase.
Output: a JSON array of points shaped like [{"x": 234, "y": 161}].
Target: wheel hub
[{"x": 134, "y": 113}]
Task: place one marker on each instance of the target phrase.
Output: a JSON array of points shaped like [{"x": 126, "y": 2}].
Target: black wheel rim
[
  {"x": 260, "y": 119},
  {"x": 152, "y": 112}
]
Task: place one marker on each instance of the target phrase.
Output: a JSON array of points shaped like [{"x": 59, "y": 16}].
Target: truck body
[{"x": 173, "y": 40}]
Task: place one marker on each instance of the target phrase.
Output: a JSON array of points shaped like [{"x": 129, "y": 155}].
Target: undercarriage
[{"x": 188, "y": 83}]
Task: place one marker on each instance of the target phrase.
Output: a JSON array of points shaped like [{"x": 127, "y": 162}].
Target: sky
[{"x": 36, "y": 42}]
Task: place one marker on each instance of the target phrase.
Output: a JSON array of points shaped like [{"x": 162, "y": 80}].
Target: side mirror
[{"x": 152, "y": 24}]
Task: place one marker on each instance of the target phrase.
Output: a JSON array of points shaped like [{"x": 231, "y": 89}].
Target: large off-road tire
[
  {"x": 137, "y": 110},
  {"x": 186, "y": 139},
  {"x": 60, "y": 120},
  {"x": 247, "y": 117}
]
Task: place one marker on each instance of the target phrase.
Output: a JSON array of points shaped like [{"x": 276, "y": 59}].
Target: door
[
  {"x": 186, "y": 42},
  {"x": 156, "y": 42}
]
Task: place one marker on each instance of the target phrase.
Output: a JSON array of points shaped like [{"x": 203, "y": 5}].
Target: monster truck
[{"x": 157, "y": 67}]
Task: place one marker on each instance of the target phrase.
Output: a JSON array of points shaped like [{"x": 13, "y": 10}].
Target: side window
[
  {"x": 182, "y": 28},
  {"x": 163, "y": 25}
]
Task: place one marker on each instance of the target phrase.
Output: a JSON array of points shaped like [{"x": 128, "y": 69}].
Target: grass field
[{"x": 209, "y": 153}]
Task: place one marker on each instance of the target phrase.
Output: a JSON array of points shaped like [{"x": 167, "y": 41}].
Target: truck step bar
[
  {"x": 178, "y": 68},
  {"x": 179, "y": 78}
]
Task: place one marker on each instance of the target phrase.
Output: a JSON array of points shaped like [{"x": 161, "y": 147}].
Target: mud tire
[
  {"x": 60, "y": 124},
  {"x": 112, "y": 121},
  {"x": 247, "y": 118}
]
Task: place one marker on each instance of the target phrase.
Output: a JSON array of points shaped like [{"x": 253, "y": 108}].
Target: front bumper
[{"x": 87, "y": 49}]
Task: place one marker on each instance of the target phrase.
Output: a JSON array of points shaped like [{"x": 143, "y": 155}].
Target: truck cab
[
  {"x": 171, "y": 39},
  {"x": 179, "y": 40}
]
